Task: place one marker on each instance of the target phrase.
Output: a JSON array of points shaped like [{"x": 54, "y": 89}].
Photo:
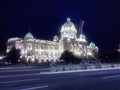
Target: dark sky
[{"x": 45, "y": 17}]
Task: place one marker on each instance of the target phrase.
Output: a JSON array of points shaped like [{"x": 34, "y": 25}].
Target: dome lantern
[{"x": 68, "y": 19}]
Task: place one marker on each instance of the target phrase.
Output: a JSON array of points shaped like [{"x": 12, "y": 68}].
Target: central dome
[
  {"x": 68, "y": 23},
  {"x": 68, "y": 29}
]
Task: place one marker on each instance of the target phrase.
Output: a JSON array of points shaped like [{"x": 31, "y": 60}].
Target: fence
[{"x": 82, "y": 67}]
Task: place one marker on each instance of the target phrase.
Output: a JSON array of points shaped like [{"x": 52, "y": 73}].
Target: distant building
[
  {"x": 118, "y": 48},
  {"x": 46, "y": 51}
]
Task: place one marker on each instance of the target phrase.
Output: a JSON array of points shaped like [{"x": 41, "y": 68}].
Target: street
[{"x": 35, "y": 78}]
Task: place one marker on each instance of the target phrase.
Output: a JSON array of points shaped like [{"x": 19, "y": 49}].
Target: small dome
[
  {"x": 55, "y": 38},
  {"x": 28, "y": 36},
  {"x": 92, "y": 44},
  {"x": 82, "y": 38}
]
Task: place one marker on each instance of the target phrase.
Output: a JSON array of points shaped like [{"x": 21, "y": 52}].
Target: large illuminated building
[{"x": 33, "y": 49}]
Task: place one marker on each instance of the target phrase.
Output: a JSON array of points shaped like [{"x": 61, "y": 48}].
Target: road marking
[
  {"x": 107, "y": 77},
  {"x": 15, "y": 81},
  {"x": 23, "y": 70},
  {"x": 6, "y": 76},
  {"x": 15, "y": 67},
  {"x": 72, "y": 71},
  {"x": 35, "y": 88}
]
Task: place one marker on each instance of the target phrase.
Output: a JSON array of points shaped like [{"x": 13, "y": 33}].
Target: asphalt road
[{"x": 33, "y": 78}]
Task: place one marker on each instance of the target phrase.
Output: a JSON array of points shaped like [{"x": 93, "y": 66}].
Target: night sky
[{"x": 45, "y": 17}]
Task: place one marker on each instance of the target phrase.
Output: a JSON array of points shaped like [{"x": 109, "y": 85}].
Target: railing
[{"x": 82, "y": 67}]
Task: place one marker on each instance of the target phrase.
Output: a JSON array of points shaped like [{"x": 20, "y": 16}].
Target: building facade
[{"x": 33, "y": 49}]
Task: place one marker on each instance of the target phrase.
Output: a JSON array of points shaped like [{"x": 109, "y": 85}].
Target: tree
[
  {"x": 69, "y": 57},
  {"x": 112, "y": 56},
  {"x": 14, "y": 55}
]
